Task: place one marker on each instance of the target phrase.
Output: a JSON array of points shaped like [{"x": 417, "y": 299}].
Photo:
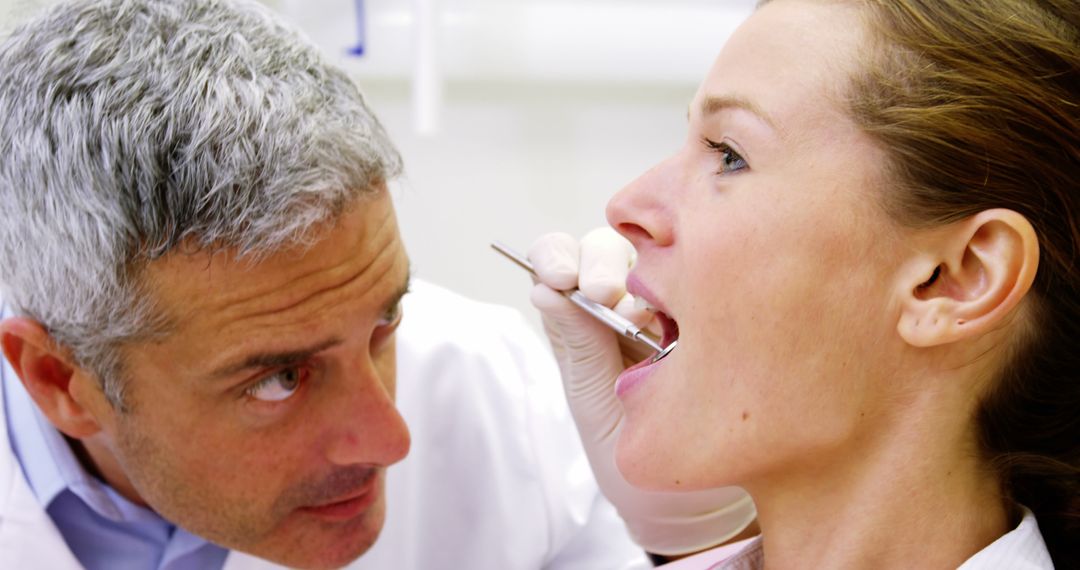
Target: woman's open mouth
[
  {"x": 668, "y": 325},
  {"x": 638, "y": 373},
  {"x": 670, "y": 328}
]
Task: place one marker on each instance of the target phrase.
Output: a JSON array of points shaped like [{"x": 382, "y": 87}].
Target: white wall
[
  {"x": 12, "y": 11},
  {"x": 514, "y": 161},
  {"x": 547, "y": 108}
]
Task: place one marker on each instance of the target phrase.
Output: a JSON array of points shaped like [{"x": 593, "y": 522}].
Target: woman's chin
[
  {"x": 649, "y": 463},
  {"x": 636, "y": 457}
]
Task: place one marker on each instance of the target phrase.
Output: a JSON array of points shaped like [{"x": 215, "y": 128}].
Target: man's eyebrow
[
  {"x": 714, "y": 104},
  {"x": 273, "y": 359}
]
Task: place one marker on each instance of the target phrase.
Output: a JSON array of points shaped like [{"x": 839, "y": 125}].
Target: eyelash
[
  {"x": 725, "y": 151},
  {"x": 392, "y": 317},
  {"x": 303, "y": 374},
  {"x": 388, "y": 325}
]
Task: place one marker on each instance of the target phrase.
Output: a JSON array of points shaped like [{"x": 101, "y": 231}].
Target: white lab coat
[{"x": 496, "y": 478}]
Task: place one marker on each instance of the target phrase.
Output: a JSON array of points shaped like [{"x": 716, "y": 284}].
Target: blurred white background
[{"x": 515, "y": 117}]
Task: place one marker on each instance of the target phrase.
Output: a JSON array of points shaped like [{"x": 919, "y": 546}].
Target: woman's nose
[{"x": 642, "y": 211}]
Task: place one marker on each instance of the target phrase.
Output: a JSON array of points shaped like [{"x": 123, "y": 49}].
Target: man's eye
[
  {"x": 391, "y": 317},
  {"x": 279, "y": 386},
  {"x": 386, "y": 327},
  {"x": 730, "y": 161}
]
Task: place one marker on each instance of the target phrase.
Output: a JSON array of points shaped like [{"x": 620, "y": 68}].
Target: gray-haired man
[{"x": 206, "y": 278}]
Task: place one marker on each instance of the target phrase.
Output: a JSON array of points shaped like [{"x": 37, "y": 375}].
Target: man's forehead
[{"x": 361, "y": 246}]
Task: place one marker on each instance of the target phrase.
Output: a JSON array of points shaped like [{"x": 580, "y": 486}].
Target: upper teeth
[{"x": 642, "y": 303}]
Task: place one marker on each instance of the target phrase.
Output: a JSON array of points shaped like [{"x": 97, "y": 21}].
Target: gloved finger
[
  {"x": 632, "y": 312},
  {"x": 605, "y": 261},
  {"x": 589, "y": 359},
  {"x": 555, "y": 258},
  {"x": 572, "y": 322}
]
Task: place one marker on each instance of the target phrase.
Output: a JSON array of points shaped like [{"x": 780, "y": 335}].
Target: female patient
[{"x": 867, "y": 251}]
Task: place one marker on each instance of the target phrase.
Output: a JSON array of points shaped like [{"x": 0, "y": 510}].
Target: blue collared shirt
[{"x": 104, "y": 530}]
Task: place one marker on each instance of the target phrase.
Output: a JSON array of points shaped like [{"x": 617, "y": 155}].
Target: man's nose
[{"x": 370, "y": 429}]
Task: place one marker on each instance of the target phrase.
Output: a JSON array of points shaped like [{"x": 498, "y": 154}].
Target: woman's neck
[{"x": 911, "y": 493}]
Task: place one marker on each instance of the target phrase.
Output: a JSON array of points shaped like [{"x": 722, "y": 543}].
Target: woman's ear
[
  {"x": 53, "y": 382},
  {"x": 968, "y": 279}
]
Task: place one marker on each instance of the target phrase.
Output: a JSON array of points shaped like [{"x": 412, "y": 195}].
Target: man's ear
[
  {"x": 54, "y": 383},
  {"x": 968, "y": 278}
]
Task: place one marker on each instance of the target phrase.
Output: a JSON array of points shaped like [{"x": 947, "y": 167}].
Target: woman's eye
[
  {"x": 279, "y": 386},
  {"x": 730, "y": 161}
]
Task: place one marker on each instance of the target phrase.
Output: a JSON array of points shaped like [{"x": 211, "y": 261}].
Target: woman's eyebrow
[{"x": 713, "y": 104}]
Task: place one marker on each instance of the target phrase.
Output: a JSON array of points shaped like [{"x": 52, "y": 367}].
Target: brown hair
[{"x": 977, "y": 103}]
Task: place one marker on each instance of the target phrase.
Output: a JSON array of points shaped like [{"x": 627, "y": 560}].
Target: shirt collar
[
  {"x": 1022, "y": 547},
  {"x": 50, "y": 464}
]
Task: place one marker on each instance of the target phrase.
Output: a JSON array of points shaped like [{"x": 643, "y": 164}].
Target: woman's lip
[
  {"x": 636, "y": 287},
  {"x": 348, "y": 506},
  {"x": 635, "y": 375}
]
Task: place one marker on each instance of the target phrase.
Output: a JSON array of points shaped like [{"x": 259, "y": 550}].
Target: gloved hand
[{"x": 590, "y": 357}]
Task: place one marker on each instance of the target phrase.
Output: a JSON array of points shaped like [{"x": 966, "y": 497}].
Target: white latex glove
[{"x": 590, "y": 357}]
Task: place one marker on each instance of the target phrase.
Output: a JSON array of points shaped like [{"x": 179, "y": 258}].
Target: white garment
[
  {"x": 1020, "y": 549},
  {"x": 496, "y": 478}
]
